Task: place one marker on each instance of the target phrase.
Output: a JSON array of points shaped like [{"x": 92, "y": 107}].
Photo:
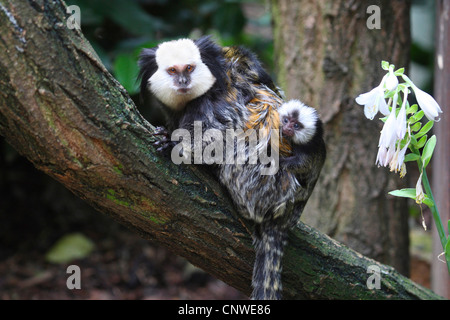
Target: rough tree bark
[
  {"x": 440, "y": 279},
  {"x": 62, "y": 110},
  {"x": 326, "y": 57}
]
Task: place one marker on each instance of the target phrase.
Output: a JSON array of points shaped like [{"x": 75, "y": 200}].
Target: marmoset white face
[
  {"x": 181, "y": 75},
  {"x": 299, "y": 122}
]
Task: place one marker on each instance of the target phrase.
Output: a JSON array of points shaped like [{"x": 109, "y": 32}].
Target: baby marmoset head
[{"x": 298, "y": 121}]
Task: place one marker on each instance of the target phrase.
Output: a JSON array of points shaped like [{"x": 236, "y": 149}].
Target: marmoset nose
[
  {"x": 288, "y": 132},
  {"x": 183, "y": 80}
]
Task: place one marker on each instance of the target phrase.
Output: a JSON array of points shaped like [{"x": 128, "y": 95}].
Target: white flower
[
  {"x": 391, "y": 81},
  {"x": 427, "y": 103},
  {"x": 390, "y": 154},
  {"x": 381, "y": 156},
  {"x": 401, "y": 118},
  {"x": 420, "y": 196},
  {"x": 398, "y": 160},
  {"x": 385, "y": 155},
  {"x": 374, "y": 101},
  {"x": 389, "y": 132}
]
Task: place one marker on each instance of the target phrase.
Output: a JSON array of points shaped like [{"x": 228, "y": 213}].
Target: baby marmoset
[
  {"x": 275, "y": 202},
  {"x": 302, "y": 126}
]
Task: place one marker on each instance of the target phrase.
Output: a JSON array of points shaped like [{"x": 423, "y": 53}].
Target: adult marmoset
[
  {"x": 227, "y": 88},
  {"x": 197, "y": 80}
]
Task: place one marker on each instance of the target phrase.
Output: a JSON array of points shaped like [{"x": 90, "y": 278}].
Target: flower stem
[{"x": 436, "y": 217}]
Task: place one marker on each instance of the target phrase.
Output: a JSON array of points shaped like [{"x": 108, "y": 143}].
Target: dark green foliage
[{"x": 118, "y": 29}]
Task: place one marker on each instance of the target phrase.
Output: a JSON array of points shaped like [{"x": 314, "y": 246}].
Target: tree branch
[{"x": 60, "y": 108}]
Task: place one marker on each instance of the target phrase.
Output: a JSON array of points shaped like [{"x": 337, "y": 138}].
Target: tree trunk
[
  {"x": 326, "y": 57},
  {"x": 62, "y": 110},
  {"x": 440, "y": 279}
]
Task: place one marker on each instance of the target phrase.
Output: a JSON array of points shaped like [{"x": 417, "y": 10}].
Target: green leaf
[
  {"x": 412, "y": 146},
  {"x": 411, "y": 157},
  {"x": 404, "y": 142},
  {"x": 427, "y": 127},
  {"x": 414, "y": 143},
  {"x": 417, "y": 117},
  {"x": 428, "y": 201},
  {"x": 412, "y": 109},
  {"x": 421, "y": 142},
  {"x": 411, "y": 193},
  {"x": 126, "y": 71},
  {"x": 221, "y": 18},
  {"x": 385, "y": 65},
  {"x": 399, "y": 72},
  {"x": 416, "y": 127},
  {"x": 404, "y": 193},
  {"x": 428, "y": 150},
  {"x": 129, "y": 15},
  {"x": 70, "y": 247}
]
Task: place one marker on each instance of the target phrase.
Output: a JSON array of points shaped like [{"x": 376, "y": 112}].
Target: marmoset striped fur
[
  {"x": 227, "y": 88},
  {"x": 276, "y": 202}
]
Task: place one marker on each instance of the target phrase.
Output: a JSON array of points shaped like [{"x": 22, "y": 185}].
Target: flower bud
[
  {"x": 391, "y": 81},
  {"x": 427, "y": 103}
]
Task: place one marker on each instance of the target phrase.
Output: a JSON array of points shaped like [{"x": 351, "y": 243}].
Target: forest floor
[
  {"x": 128, "y": 268},
  {"x": 122, "y": 267}
]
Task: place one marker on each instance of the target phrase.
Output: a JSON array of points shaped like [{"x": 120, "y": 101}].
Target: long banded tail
[{"x": 269, "y": 243}]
